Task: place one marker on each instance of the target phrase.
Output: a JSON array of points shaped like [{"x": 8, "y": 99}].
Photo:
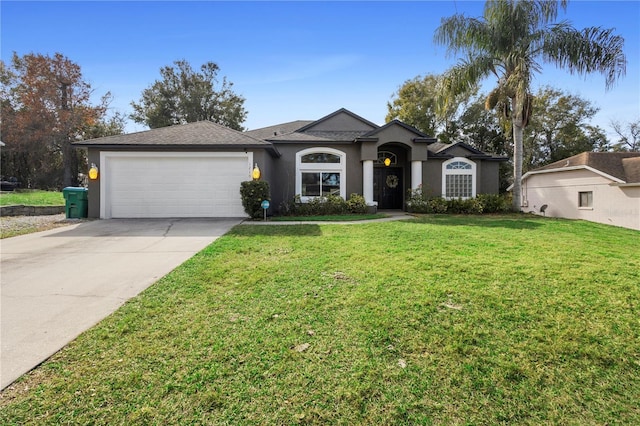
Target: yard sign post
[{"x": 265, "y": 206}]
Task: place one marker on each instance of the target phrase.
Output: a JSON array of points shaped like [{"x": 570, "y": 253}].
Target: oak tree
[
  {"x": 45, "y": 107},
  {"x": 183, "y": 96}
]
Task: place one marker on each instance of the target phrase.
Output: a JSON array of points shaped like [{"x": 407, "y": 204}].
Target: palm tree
[{"x": 510, "y": 42}]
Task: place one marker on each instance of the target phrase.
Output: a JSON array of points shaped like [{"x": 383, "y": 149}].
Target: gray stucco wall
[
  {"x": 432, "y": 178},
  {"x": 93, "y": 196},
  {"x": 487, "y": 178},
  {"x": 283, "y": 181}
]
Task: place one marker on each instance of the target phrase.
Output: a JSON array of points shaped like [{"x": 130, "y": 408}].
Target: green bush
[
  {"x": 418, "y": 202},
  {"x": 324, "y": 206},
  {"x": 253, "y": 192},
  {"x": 356, "y": 204},
  {"x": 460, "y": 206},
  {"x": 437, "y": 205},
  {"x": 494, "y": 203}
]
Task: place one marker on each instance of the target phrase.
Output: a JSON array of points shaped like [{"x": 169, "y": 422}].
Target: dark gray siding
[
  {"x": 283, "y": 181},
  {"x": 488, "y": 179}
]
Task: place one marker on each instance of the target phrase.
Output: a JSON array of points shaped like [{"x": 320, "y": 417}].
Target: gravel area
[{"x": 17, "y": 225}]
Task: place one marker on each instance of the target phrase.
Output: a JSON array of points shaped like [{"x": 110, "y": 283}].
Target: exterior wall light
[
  {"x": 387, "y": 161},
  {"x": 256, "y": 172},
  {"x": 93, "y": 172}
]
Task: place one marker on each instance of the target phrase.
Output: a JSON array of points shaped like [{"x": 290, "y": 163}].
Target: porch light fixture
[
  {"x": 93, "y": 172},
  {"x": 387, "y": 161},
  {"x": 256, "y": 172}
]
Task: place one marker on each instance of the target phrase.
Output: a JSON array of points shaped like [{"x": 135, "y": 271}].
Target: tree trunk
[
  {"x": 67, "y": 164},
  {"x": 518, "y": 133}
]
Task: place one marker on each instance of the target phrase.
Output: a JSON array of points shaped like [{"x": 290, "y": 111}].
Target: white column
[
  {"x": 367, "y": 181},
  {"x": 416, "y": 174}
]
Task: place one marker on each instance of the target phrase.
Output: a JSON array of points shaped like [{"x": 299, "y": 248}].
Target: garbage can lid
[{"x": 74, "y": 189}]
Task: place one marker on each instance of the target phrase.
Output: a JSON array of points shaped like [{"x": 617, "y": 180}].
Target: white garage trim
[{"x": 172, "y": 184}]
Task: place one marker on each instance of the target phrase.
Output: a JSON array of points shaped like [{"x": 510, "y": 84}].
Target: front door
[{"x": 388, "y": 188}]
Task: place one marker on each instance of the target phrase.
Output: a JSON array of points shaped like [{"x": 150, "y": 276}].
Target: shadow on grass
[
  {"x": 515, "y": 221},
  {"x": 307, "y": 230}
]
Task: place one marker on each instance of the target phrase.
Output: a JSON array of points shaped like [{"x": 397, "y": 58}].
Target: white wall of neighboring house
[{"x": 559, "y": 190}]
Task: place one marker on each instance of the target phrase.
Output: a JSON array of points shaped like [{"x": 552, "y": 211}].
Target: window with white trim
[
  {"x": 320, "y": 172},
  {"x": 459, "y": 178}
]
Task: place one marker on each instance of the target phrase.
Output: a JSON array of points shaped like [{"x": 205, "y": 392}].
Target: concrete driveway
[{"x": 58, "y": 283}]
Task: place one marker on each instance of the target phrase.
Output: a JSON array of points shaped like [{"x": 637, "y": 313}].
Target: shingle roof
[
  {"x": 631, "y": 168},
  {"x": 611, "y": 163},
  {"x": 201, "y": 133},
  {"x": 278, "y": 129},
  {"x": 303, "y": 130},
  {"x": 436, "y": 147}
]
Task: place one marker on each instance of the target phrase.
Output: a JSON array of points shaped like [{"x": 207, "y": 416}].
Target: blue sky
[{"x": 290, "y": 60}]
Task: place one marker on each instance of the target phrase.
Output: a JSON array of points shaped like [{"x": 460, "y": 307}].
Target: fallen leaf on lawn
[
  {"x": 311, "y": 332},
  {"x": 301, "y": 348},
  {"x": 452, "y": 306},
  {"x": 402, "y": 363}
]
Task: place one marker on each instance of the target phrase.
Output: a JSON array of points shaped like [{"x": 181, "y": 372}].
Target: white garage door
[{"x": 172, "y": 184}]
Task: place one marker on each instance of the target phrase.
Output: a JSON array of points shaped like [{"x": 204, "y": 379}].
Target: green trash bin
[{"x": 76, "y": 202}]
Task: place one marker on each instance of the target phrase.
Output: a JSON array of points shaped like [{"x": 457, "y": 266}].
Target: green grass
[
  {"x": 442, "y": 320},
  {"x": 330, "y": 218},
  {"x": 32, "y": 198}
]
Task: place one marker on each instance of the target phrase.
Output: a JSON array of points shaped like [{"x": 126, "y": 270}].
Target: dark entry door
[{"x": 387, "y": 186}]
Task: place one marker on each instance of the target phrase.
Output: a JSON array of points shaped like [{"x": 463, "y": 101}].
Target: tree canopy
[
  {"x": 414, "y": 104},
  {"x": 511, "y": 41},
  {"x": 45, "y": 107},
  {"x": 559, "y": 128},
  {"x": 628, "y": 135},
  {"x": 183, "y": 95}
]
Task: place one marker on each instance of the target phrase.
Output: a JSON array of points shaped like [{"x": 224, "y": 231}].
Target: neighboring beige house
[{"x": 596, "y": 186}]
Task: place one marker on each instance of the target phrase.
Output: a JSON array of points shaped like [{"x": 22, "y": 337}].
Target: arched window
[
  {"x": 320, "y": 172},
  {"x": 459, "y": 178},
  {"x": 383, "y": 155}
]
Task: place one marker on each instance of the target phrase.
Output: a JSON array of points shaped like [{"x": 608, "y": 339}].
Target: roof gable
[
  {"x": 458, "y": 149},
  {"x": 398, "y": 131},
  {"x": 341, "y": 120},
  {"x": 397, "y": 127}
]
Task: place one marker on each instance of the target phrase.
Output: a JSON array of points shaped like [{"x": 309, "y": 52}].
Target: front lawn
[
  {"x": 32, "y": 198},
  {"x": 441, "y": 320}
]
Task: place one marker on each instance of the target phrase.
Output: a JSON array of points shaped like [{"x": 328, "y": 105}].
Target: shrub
[
  {"x": 437, "y": 205},
  {"x": 460, "y": 206},
  {"x": 356, "y": 204},
  {"x": 324, "y": 206},
  {"x": 253, "y": 192},
  {"x": 494, "y": 203},
  {"x": 418, "y": 202}
]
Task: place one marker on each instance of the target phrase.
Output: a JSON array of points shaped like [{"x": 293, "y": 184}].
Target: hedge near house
[{"x": 253, "y": 192}]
